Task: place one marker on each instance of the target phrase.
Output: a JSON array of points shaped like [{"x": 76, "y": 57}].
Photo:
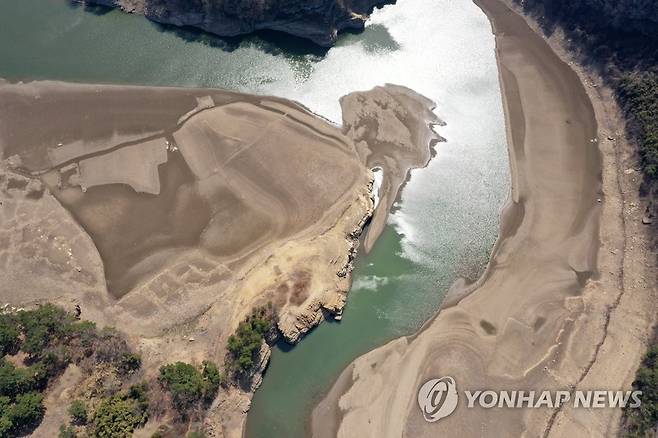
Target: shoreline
[{"x": 349, "y": 408}]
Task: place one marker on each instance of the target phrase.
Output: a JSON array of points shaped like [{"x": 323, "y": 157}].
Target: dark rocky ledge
[{"x": 317, "y": 20}]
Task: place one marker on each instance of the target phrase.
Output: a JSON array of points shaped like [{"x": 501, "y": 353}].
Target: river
[{"x": 446, "y": 222}]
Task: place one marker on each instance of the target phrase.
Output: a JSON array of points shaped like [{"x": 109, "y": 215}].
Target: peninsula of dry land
[{"x": 171, "y": 214}]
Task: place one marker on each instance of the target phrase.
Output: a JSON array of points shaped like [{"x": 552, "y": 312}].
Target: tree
[
  {"x": 244, "y": 345},
  {"x": 52, "y": 364},
  {"x": 83, "y": 331},
  {"x": 184, "y": 382},
  {"x": 212, "y": 379},
  {"x": 78, "y": 412},
  {"x": 14, "y": 381},
  {"x": 189, "y": 386},
  {"x": 27, "y": 411},
  {"x": 6, "y": 425},
  {"x": 9, "y": 335},
  {"x": 118, "y": 417},
  {"x": 139, "y": 393},
  {"x": 129, "y": 363},
  {"x": 641, "y": 421},
  {"x": 41, "y": 325},
  {"x": 640, "y": 95}
]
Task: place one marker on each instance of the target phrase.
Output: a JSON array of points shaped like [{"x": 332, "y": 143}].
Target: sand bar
[{"x": 391, "y": 127}]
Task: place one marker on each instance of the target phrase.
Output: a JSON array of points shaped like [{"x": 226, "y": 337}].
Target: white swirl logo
[{"x": 438, "y": 398}]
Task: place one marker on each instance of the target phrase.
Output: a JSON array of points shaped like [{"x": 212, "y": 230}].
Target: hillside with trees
[{"x": 114, "y": 397}]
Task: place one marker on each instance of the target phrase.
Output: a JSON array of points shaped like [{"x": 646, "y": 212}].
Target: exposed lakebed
[{"x": 443, "y": 226}]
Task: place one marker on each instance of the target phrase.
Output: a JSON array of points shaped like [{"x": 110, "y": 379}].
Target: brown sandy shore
[
  {"x": 170, "y": 213},
  {"x": 568, "y": 299}
]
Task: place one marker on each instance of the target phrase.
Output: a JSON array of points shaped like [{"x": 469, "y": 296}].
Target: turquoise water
[{"x": 446, "y": 222}]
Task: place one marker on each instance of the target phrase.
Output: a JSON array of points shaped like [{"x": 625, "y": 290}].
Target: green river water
[{"x": 446, "y": 222}]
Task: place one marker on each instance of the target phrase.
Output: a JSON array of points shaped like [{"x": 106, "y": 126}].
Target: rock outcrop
[{"x": 316, "y": 20}]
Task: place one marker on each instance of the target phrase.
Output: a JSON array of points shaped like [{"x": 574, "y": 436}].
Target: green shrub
[
  {"x": 245, "y": 343},
  {"x": 139, "y": 393},
  {"x": 184, "y": 382},
  {"x": 78, "y": 412},
  {"x": 5, "y": 402},
  {"x": 27, "y": 410},
  {"x": 212, "y": 379},
  {"x": 15, "y": 381},
  {"x": 43, "y": 325},
  {"x": 188, "y": 386},
  {"x": 6, "y": 425},
  {"x": 641, "y": 421},
  {"x": 49, "y": 325},
  {"x": 21, "y": 408},
  {"x": 9, "y": 335},
  {"x": 39, "y": 374},
  {"x": 118, "y": 417},
  {"x": 12, "y": 381},
  {"x": 129, "y": 363}
]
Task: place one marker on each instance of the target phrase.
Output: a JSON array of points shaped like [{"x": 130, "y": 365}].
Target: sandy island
[{"x": 567, "y": 300}]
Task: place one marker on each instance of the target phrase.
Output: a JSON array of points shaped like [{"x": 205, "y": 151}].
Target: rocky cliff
[{"x": 317, "y": 20}]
